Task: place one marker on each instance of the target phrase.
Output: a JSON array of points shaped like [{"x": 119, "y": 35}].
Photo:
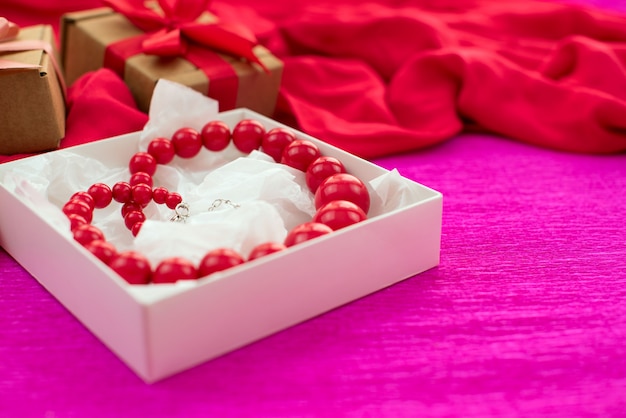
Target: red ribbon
[
  {"x": 176, "y": 32},
  {"x": 170, "y": 31}
]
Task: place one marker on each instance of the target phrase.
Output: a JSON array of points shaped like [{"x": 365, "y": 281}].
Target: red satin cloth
[
  {"x": 548, "y": 75},
  {"x": 379, "y": 79}
]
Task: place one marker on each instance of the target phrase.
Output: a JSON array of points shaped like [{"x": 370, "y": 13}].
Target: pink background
[{"x": 525, "y": 316}]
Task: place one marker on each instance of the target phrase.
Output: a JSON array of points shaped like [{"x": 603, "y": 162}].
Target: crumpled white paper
[
  {"x": 272, "y": 198},
  {"x": 174, "y": 106},
  {"x": 267, "y": 200}
]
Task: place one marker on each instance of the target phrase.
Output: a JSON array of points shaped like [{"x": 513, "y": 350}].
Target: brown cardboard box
[
  {"x": 86, "y": 35},
  {"x": 32, "y": 105}
]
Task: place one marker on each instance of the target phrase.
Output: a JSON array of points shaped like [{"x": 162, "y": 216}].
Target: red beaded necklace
[{"x": 341, "y": 199}]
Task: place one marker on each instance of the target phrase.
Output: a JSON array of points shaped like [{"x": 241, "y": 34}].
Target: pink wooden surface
[{"x": 525, "y": 315}]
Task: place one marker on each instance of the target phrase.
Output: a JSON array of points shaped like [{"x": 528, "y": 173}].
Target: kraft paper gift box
[
  {"x": 162, "y": 329},
  {"x": 32, "y": 105},
  {"x": 87, "y": 36}
]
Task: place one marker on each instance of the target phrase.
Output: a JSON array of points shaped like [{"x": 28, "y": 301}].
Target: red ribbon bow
[{"x": 169, "y": 33}]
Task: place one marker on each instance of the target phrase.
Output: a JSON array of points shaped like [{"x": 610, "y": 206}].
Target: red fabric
[
  {"x": 549, "y": 74},
  {"x": 100, "y": 106},
  {"x": 379, "y": 79}
]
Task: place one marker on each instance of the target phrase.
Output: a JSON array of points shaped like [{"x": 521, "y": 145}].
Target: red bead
[
  {"x": 141, "y": 178},
  {"x": 129, "y": 207},
  {"x": 121, "y": 192},
  {"x": 299, "y": 154},
  {"x": 339, "y": 214},
  {"x": 248, "y": 135},
  {"x": 264, "y": 249},
  {"x": 85, "y": 197},
  {"x": 78, "y": 207},
  {"x": 136, "y": 228},
  {"x": 173, "y": 269},
  {"x": 187, "y": 142},
  {"x": 133, "y": 217},
  {"x": 76, "y": 221},
  {"x": 141, "y": 194},
  {"x": 105, "y": 251},
  {"x": 101, "y": 194},
  {"x": 162, "y": 150},
  {"x": 142, "y": 161},
  {"x": 305, "y": 232},
  {"x": 321, "y": 169},
  {"x": 159, "y": 194},
  {"x": 215, "y": 135},
  {"x": 87, "y": 233},
  {"x": 275, "y": 141},
  {"x": 132, "y": 266},
  {"x": 218, "y": 260},
  {"x": 343, "y": 186},
  {"x": 173, "y": 199}
]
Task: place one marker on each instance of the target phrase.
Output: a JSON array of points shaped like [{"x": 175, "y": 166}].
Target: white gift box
[{"x": 159, "y": 330}]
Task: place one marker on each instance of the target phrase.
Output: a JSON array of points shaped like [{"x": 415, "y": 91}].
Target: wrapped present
[
  {"x": 32, "y": 101},
  {"x": 186, "y": 44}
]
